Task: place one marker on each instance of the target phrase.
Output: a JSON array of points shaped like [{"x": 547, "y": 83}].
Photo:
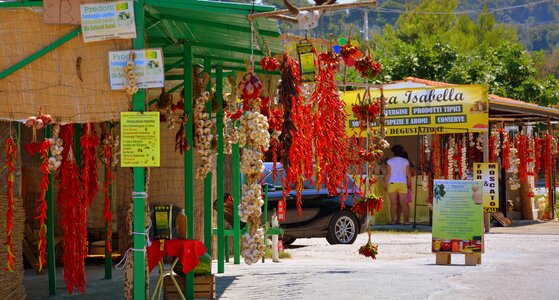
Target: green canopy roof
[{"x": 218, "y": 30}]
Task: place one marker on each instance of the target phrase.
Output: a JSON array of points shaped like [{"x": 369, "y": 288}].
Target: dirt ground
[{"x": 520, "y": 262}]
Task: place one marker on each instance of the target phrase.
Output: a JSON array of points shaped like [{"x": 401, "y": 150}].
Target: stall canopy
[{"x": 216, "y": 30}]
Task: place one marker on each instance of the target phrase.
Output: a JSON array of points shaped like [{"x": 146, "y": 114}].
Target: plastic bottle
[{"x": 181, "y": 225}]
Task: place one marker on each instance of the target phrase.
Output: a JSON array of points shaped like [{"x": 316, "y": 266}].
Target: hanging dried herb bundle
[
  {"x": 88, "y": 142},
  {"x": 288, "y": 93},
  {"x": 72, "y": 205}
]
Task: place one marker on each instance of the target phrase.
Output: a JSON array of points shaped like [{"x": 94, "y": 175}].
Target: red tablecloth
[{"x": 188, "y": 252}]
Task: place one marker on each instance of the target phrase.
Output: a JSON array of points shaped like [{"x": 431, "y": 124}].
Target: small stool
[{"x": 162, "y": 273}]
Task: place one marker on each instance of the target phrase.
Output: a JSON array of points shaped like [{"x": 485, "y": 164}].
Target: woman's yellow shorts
[{"x": 397, "y": 187}]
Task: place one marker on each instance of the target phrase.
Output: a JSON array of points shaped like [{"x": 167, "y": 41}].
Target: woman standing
[{"x": 396, "y": 182}]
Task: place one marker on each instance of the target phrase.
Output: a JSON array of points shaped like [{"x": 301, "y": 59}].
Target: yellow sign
[
  {"x": 489, "y": 173},
  {"x": 140, "y": 139},
  {"x": 412, "y": 111}
]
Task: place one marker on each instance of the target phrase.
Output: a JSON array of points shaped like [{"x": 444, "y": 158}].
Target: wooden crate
[{"x": 204, "y": 287}]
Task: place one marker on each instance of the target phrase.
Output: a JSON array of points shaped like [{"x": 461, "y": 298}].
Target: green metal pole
[
  {"x": 220, "y": 191},
  {"x": 51, "y": 256},
  {"x": 208, "y": 179},
  {"x": 108, "y": 254},
  {"x": 77, "y": 145},
  {"x": 189, "y": 159},
  {"x": 236, "y": 201},
  {"x": 139, "y": 196},
  {"x": 70, "y": 35}
]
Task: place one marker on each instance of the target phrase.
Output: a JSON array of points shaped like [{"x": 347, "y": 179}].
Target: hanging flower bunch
[
  {"x": 350, "y": 53},
  {"x": 43, "y": 149},
  {"x": 269, "y": 63},
  {"x": 369, "y": 250},
  {"x": 367, "y": 67},
  {"x": 371, "y": 203},
  {"x": 11, "y": 158},
  {"x": 73, "y": 206}
]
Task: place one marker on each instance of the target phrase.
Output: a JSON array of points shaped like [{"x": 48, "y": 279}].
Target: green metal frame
[
  {"x": 70, "y": 35},
  {"x": 219, "y": 170},
  {"x": 139, "y": 196},
  {"x": 189, "y": 159},
  {"x": 51, "y": 255}
]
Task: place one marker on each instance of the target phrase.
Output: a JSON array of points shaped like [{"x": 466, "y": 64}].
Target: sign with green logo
[
  {"x": 457, "y": 216},
  {"x": 139, "y": 139},
  {"x": 106, "y": 21},
  {"x": 306, "y": 61},
  {"x": 148, "y": 67}
]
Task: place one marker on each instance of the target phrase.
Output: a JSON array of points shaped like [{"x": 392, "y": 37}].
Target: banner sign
[
  {"x": 139, "y": 139},
  {"x": 106, "y": 21},
  {"x": 489, "y": 174},
  {"x": 457, "y": 216},
  {"x": 412, "y": 111},
  {"x": 148, "y": 66}
]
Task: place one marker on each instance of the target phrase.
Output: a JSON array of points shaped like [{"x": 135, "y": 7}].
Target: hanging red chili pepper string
[
  {"x": 436, "y": 157},
  {"x": 41, "y": 210},
  {"x": 330, "y": 138},
  {"x": 492, "y": 150},
  {"x": 505, "y": 153},
  {"x": 11, "y": 157},
  {"x": 522, "y": 155},
  {"x": 547, "y": 156},
  {"x": 107, "y": 213},
  {"x": 88, "y": 142},
  {"x": 72, "y": 205}
]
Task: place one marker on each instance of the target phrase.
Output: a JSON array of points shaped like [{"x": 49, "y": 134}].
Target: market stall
[{"x": 445, "y": 140}]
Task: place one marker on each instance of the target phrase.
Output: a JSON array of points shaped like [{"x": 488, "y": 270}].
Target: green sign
[
  {"x": 140, "y": 139},
  {"x": 457, "y": 216},
  {"x": 108, "y": 20}
]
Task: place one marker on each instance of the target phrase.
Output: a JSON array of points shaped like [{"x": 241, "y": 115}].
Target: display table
[{"x": 187, "y": 252}]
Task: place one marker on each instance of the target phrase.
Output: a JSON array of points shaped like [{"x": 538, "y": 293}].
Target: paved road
[{"x": 520, "y": 263}]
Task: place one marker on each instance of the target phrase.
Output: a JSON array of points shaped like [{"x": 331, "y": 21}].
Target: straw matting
[
  {"x": 11, "y": 283},
  {"x": 51, "y": 82}
]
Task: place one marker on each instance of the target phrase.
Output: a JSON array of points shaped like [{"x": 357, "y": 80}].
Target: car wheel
[
  {"x": 288, "y": 241},
  {"x": 343, "y": 229}
]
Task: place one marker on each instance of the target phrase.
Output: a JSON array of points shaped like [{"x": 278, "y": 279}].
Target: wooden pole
[{"x": 313, "y": 8}]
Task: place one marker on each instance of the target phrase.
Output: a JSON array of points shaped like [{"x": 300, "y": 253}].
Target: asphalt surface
[{"x": 520, "y": 262}]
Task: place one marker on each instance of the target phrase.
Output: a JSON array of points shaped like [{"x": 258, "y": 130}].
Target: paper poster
[
  {"x": 413, "y": 111},
  {"x": 457, "y": 216},
  {"x": 148, "y": 67},
  {"x": 306, "y": 61},
  {"x": 489, "y": 174},
  {"x": 140, "y": 139},
  {"x": 106, "y": 21}
]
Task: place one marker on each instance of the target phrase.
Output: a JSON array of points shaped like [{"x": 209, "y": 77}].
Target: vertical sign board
[
  {"x": 148, "y": 68},
  {"x": 106, "y": 21},
  {"x": 306, "y": 61},
  {"x": 489, "y": 174},
  {"x": 457, "y": 216},
  {"x": 140, "y": 139}
]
